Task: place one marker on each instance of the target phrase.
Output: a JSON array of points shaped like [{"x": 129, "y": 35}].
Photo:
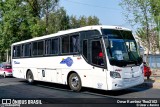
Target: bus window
[
  {"x": 65, "y": 44},
  {"x": 14, "y": 52},
  {"x": 96, "y": 53},
  {"x": 27, "y": 50},
  {"x": 48, "y": 46},
  {"x": 74, "y": 43},
  {"x": 40, "y": 48},
  {"x": 22, "y": 50},
  {"x": 34, "y": 48},
  {"x": 55, "y": 46},
  {"x": 85, "y": 48},
  {"x": 18, "y": 51}
]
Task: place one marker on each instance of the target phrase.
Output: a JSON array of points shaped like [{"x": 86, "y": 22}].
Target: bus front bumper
[{"x": 118, "y": 84}]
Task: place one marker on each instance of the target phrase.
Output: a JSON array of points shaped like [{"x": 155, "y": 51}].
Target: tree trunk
[
  {"x": 2, "y": 58},
  {"x": 47, "y": 16},
  {"x": 7, "y": 56}
]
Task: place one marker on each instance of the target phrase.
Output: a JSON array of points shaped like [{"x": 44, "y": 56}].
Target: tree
[
  {"x": 43, "y": 8},
  {"x": 74, "y": 22},
  {"x": 58, "y": 20},
  {"x": 138, "y": 13},
  {"x": 62, "y": 19},
  {"x": 92, "y": 20},
  {"x": 25, "y": 19},
  {"x": 17, "y": 23},
  {"x": 155, "y": 11},
  {"x": 83, "y": 21},
  {"x": 142, "y": 34}
]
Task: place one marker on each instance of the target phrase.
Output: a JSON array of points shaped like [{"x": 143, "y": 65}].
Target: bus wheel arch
[
  {"x": 74, "y": 81},
  {"x": 29, "y": 76}
]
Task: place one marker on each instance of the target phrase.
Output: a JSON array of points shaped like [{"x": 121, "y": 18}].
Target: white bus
[{"x": 100, "y": 57}]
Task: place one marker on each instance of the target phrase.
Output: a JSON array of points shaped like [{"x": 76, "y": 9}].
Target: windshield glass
[{"x": 121, "y": 46}]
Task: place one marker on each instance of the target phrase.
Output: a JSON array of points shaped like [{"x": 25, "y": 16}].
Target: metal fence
[{"x": 154, "y": 61}]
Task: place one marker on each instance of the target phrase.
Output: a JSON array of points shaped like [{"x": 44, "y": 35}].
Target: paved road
[
  {"x": 18, "y": 88},
  {"x": 62, "y": 95}
]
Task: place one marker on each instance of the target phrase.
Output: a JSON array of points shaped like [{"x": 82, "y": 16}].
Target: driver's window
[
  {"x": 96, "y": 53},
  {"x": 132, "y": 51},
  {"x": 133, "y": 46}
]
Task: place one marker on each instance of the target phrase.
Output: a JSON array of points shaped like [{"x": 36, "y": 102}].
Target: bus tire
[
  {"x": 30, "y": 77},
  {"x": 75, "y": 82}
]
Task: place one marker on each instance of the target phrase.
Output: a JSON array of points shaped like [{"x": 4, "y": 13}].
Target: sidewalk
[{"x": 154, "y": 81}]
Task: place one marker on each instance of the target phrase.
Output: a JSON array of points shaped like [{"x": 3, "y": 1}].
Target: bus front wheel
[
  {"x": 75, "y": 82},
  {"x": 30, "y": 77}
]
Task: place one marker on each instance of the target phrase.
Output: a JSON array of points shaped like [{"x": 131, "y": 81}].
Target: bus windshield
[{"x": 121, "y": 47}]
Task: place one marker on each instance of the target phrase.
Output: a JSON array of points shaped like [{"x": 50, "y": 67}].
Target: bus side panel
[{"x": 56, "y": 70}]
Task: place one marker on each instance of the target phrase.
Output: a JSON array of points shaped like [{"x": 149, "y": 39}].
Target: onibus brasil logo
[{"x": 17, "y": 103}]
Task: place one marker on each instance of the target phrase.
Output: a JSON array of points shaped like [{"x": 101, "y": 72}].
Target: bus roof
[{"x": 69, "y": 31}]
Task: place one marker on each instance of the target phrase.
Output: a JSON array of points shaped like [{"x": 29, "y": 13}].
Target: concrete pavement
[{"x": 154, "y": 80}]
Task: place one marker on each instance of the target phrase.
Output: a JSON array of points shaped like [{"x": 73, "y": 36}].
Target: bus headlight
[{"x": 115, "y": 74}]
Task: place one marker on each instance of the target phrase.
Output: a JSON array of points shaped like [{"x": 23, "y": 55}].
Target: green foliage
[
  {"x": 74, "y": 22},
  {"x": 17, "y": 22},
  {"x": 155, "y": 11},
  {"x": 139, "y": 13},
  {"x": 142, "y": 34},
  {"x": 39, "y": 8},
  {"x": 25, "y": 19},
  {"x": 57, "y": 20},
  {"x": 83, "y": 21}
]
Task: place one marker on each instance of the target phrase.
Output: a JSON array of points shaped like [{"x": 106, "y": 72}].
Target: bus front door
[{"x": 98, "y": 72}]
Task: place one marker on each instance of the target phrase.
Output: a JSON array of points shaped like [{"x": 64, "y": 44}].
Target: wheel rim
[{"x": 75, "y": 82}]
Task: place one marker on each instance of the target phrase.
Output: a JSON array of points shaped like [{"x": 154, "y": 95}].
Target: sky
[{"x": 108, "y": 11}]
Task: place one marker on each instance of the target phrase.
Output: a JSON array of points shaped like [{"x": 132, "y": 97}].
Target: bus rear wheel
[
  {"x": 75, "y": 82},
  {"x": 30, "y": 77}
]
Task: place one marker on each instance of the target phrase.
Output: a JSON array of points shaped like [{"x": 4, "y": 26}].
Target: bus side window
[
  {"x": 65, "y": 44},
  {"x": 28, "y": 49},
  {"x": 55, "y": 46},
  {"x": 48, "y": 46},
  {"x": 22, "y": 50},
  {"x": 96, "y": 53},
  {"x": 14, "y": 52},
  {"x": 40, "y": 48},
  {"x": 85, "y": 48},
  {"x": 18, "y": 51},
  {"x": 34, "y": 48},
  {"x": 74, "y": 43}
]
